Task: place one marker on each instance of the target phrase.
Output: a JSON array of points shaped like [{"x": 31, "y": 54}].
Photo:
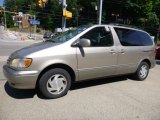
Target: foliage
[
  {"x": 9, "y": 21},
  {"x": 153, "y": 19},
  {"x": 144, "y": 13}
]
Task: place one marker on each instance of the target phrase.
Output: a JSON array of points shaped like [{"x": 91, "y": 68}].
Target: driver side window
[{"x": 99, "y": 37}]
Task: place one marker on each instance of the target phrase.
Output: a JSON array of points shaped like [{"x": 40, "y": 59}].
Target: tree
[
  {"x": 144, "y": 13},
  {"x": 9, "y": 21},
  {"x": 153, "y": 19}
]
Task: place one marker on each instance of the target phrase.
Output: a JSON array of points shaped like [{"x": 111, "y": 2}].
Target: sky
[{"x": 1, "y": 2}]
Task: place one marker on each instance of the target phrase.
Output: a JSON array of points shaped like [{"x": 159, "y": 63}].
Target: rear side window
[{"x": 130, "y": 37}]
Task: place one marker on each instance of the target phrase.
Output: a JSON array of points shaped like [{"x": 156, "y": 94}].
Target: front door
[{"x": 100, "y": 59}]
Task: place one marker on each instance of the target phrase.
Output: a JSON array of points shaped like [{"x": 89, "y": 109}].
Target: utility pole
[
  {"x": 100, "y": 12},
  {"x": 5, "y": 24},
  {"x": 77, "y": 12},
  {"x": 35, "y": 27},
  {"x": 64, "y": 5}
]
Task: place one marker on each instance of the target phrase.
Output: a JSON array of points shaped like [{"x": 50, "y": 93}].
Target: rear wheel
[
  {"x": 142, "y": 71},
  {"x": 55, "y": 83}
]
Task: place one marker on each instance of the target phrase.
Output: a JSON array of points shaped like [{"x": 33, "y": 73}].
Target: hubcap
[
  {"x": 56, "y": 84},
  {"x": 143, "y": 71}
]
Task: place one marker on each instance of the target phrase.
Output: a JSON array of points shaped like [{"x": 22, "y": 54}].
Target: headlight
[{"x": 21, "y": 63}]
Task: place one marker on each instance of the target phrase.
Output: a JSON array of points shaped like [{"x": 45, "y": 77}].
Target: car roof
[{"x": 122, "y": 26}]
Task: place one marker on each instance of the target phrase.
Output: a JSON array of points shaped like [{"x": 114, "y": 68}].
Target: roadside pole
[
  {"x": 100, "y": 12},
  {"x": 64, "y": 5},
  {"x": 30, "y": 30},
  {"x": 5, "y": 24},
  {"x": 35, "y": 27}
]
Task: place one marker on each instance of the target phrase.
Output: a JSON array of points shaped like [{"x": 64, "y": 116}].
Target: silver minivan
[{"x": 84, "y": 53}]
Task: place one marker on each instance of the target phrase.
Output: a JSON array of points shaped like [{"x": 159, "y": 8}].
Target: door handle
[
  {"x": 112, "y": 51},
  {"x": 122, "y": 51}
]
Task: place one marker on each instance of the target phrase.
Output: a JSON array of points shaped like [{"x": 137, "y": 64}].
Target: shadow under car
[{"x": 29, "y": 93}]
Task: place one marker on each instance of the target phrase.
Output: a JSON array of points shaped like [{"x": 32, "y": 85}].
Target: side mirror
[{"x": 82, "y": 43}]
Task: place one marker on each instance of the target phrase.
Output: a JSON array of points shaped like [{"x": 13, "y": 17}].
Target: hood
[{"x": 33, "y": 48}]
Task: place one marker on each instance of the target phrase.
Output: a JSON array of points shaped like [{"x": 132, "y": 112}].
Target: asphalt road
[
  {"x": 7, "y": 47},
  {"x": 116, "y": 98}
]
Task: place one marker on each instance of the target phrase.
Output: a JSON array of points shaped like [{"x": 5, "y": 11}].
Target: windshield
[{"x": 68, "y": 34}]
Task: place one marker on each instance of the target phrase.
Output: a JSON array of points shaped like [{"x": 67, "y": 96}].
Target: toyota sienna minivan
[{"x": 84, "y": 53}]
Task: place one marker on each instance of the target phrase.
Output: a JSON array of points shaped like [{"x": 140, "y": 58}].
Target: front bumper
[{"x": 20, "y": 79}]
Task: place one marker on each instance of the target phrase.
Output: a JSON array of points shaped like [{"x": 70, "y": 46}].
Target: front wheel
[
  {"x": 142, "y": 71},
  {"x": 55, "y": 83}
]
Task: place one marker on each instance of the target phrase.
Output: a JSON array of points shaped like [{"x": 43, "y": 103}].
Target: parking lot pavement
[
  {"x": 2, "y": 62},
  {"x": 116, "y": 98}
]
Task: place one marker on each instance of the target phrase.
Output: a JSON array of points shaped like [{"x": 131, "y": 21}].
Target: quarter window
[
  {"x": 145, "y": 38},
  {"x": 130, "y": 37}
]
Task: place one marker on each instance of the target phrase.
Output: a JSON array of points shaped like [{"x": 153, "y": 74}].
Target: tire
[
  {"x": 55, "y": 83},
  {"x": 142, "y": 72}
]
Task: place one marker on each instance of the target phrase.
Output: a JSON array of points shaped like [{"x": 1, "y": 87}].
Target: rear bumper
[{"x": 20, "y": 79}]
